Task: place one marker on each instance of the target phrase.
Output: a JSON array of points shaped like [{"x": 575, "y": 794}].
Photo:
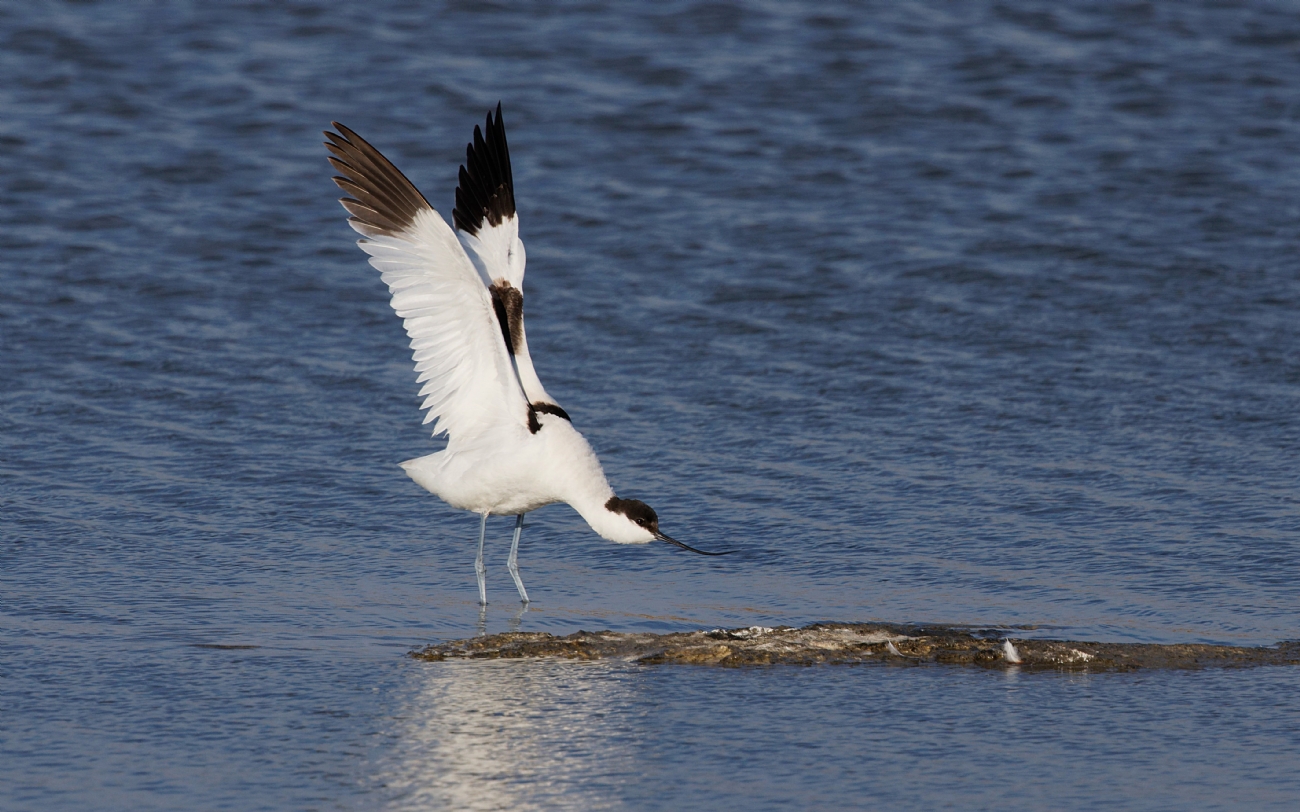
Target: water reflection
[
  {"x": 512, "y": 734},
  {"x": 512, "y": 625}
]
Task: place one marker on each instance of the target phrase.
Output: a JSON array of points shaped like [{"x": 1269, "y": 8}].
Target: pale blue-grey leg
[
  {"x": 478, "y": 562},
  {"x": 512, "y": 564}
]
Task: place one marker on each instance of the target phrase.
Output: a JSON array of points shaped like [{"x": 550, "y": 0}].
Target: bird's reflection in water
[
  {"x": 513, "y": 734},
  {"x": 515, "y": 621},
  {"x": 512, "y": 625}
]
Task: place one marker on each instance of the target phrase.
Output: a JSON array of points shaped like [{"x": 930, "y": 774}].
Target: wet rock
[{"x": 884, "y": 644}]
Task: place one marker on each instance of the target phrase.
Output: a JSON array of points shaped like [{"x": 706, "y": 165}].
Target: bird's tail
[{"x": 424, "y": 470}]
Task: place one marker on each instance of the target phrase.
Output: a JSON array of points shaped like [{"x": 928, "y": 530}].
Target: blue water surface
[{"x": 981, "y": 313}]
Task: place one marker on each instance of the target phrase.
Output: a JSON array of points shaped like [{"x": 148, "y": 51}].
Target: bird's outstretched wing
[
  {"x": 470, "y": 385},
  {"x": 488, "y": 227}
]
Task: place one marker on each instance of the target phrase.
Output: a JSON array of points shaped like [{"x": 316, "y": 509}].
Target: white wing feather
[
  {"x": 470, "y": 387},
  {"x": 496, "y": 251},
  {"x": 468, "y": 382}
]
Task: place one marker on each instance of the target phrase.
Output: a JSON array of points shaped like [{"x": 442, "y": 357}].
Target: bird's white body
[
  {"x": 539, "y": 472},
  {"x": 554, "y": 465},
  {"x": 510, "y": 447}
]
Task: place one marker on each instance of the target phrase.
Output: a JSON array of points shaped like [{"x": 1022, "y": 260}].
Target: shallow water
[{"x": 982, "y": 315}]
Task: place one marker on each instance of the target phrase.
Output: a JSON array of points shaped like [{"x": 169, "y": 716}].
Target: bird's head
[{"x": 641, "y": 525}]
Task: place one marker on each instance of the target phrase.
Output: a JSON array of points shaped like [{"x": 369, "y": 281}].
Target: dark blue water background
[{"x": 976, "y": 313}]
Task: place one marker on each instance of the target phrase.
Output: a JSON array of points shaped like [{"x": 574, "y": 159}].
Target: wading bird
[{"x": 510, "y": 447}]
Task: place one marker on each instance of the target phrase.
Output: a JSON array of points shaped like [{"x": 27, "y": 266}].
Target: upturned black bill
[{"x": 677, "y": 543}]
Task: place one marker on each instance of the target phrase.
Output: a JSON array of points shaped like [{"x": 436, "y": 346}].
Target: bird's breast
[{"x": 517, "y": 474}]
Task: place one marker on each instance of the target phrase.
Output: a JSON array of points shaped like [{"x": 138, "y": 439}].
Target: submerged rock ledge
[{"x": 860, "y": 643}]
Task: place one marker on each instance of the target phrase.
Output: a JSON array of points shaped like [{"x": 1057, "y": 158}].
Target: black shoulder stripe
[
  {"x": 508, "y": 302},
  {"x": 383, "y": 201},
  {"x": 534, "y": 409},
  {"x": 551, "y": 408},
  {"x": 487, "y": 186}
]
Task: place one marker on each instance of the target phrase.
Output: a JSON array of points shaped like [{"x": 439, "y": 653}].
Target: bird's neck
[
  {"x": 585, "y": 487},
  {"x": 591, "y": 506}
]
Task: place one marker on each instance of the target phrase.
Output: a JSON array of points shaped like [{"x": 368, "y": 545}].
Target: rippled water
[{"x": 983, "y": 314}]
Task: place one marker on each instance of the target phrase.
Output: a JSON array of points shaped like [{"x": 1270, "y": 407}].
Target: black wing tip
[
  {"x": 486, "y": 189},
  {"x": 383, "y": 201},
  {"x": 346, "y": 134}
]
